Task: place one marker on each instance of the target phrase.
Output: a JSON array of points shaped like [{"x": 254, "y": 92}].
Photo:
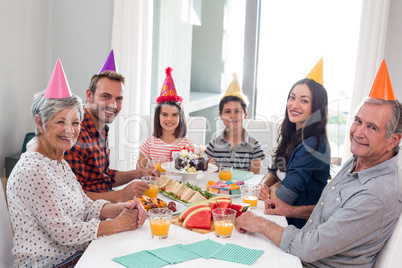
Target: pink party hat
[
  {"x": 168, "y": 92},
  {"x": 110, "y": 64},
  {"x": 58, "y": 85},
  {"x": 382, "y": 88}
]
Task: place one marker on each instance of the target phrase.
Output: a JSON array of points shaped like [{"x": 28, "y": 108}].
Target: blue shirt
[
  {"x": 307, "y": 174},
  {"x": 353, "y": 219}
]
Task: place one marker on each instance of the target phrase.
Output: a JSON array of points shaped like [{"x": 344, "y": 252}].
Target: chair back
[
  {"x": 6, "y": 238},
  {"x": 390, "y": 255},
  {"x": 264, "y": 131}
]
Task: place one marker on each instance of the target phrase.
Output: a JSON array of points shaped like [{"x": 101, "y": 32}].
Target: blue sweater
[{"x": 307, "y": 173}]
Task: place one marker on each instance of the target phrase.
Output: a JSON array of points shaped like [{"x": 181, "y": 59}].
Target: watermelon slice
[
  {"x": 240, "y": 208},
  {"x": 191, "y": 208},
  {"x": 223, "y": 203},
  {"x": 212, "y": 203},
  {"x": 199, "y": 218},
  {"x": 227, "y": 197}
]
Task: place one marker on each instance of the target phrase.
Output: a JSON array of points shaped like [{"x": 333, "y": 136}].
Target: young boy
[{"x": 235, "y": 147}]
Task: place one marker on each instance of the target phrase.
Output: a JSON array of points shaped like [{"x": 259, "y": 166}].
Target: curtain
[
  {"x": 132, "y": 45},
  {"x": 371, "y": 49}
]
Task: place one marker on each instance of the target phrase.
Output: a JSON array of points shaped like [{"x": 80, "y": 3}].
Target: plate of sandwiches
[{"x": 184, "y": 193}]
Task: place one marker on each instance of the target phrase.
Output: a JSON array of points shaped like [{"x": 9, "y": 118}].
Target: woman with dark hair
[{"x": 301, "y": 162}]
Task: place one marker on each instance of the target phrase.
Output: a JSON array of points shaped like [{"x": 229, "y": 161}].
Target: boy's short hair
[{"x": 226, "y": 99}]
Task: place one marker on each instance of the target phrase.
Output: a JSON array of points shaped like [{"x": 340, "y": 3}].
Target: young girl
[
  {"x": 170, "y": 128},
  {"x": 301, "y": 161}
]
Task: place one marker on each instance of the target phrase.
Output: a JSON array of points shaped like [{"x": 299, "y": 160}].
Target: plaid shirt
[{"x": 89, "y": 158}]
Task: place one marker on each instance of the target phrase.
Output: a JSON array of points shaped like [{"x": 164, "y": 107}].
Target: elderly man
[
  {"x": 89, "y": 157},
  {"x": 359, "y": 208}
]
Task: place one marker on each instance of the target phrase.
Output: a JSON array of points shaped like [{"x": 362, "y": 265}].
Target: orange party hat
[
  {"x": 317, "y": 72},
  {"x": 58, "y": 86},
  {"x": 382, "y": 88},
  {"x": 168, "y": 92}
]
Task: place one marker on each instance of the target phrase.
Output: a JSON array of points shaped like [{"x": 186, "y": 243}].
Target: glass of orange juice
[
  {"x": 225, "y": 173},
  {"x": 224, "y": 220},
  {"x": 249, "y": 194},
  {"x": 159, "y": 220},
  {"x": 158, "y": 166},
  {"x": 153, "y": 183}
]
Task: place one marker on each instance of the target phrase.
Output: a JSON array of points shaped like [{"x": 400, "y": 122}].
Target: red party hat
[
  {"x": 110, "y": 64},
  {"x": 168, "y": 92},
  {"x": 58, "y": 85},
  {"x": 382, "y": 88}
]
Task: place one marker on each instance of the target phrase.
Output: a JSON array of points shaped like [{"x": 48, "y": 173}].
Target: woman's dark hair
[
  {"x": 316, "y": 124},
  {"x": 181, "y": 129}
]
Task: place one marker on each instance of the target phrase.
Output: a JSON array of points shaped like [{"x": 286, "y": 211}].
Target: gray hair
[
  {"x": 394, "y": 124},
  {"x": 47, "y": 108}
]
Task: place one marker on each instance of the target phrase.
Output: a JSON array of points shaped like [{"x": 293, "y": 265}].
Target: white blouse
[{"x": 51, "y": 215}]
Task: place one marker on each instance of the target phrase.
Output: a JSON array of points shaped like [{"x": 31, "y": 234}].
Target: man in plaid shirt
[{"x": 89, "y": 157}]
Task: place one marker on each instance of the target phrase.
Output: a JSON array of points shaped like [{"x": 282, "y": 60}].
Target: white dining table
[{"x": 101, "y": 251}]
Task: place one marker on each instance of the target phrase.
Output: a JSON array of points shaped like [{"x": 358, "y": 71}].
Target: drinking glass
[
  {"x": 153, "y": 183},
  {"x": 225, "y": 173},
  {"x": 159, "y": 220},
  {"x": 250, "y": 194},
  {"x": 224, "y": 220}
]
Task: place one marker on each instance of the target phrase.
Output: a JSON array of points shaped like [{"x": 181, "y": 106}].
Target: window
[
  {"x": 294, "y": 35},
  {"x": 205, "y": 41}
]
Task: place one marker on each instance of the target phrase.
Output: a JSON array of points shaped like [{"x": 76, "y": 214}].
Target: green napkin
[
  {"x": 238, "y": 254},
  {"x": 140, "y": 259},
  {"x": 174, "y": 254},
  {"x": 241, "y": 175},
  {"x": 205, "y": 248}
]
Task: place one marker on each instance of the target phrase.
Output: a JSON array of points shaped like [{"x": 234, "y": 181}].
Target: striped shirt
[
  {"x": 239, "y": 157},
  {"x": 89, "y": 158},
  {"x": 157, "y": 151}
]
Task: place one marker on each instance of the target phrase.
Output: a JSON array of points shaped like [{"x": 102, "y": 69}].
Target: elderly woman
[{"x": 53, "y": 219}]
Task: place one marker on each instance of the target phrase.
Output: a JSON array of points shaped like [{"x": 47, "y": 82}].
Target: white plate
[
  {"x": 179, "y": 206},
  {"x": 234, "y": 195},
  {"x": 175, "y": 200},
  {"x": 169, "y": 166}
]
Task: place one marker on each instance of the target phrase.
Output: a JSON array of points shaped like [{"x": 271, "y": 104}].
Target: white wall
[
  {"x": 33, "y": 35},
  {"x": 393, "y": 51}
]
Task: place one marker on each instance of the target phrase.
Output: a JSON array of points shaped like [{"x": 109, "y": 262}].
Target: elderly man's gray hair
[
  {"x": 394, "y": 125},
  {"x": 47, "y": 108}
]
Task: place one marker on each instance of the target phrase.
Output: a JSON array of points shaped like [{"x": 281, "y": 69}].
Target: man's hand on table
[
  {"x": 278, "y": 207},
  {"x": 248, "y": 221},
  {"x": 133, "y": 190}
]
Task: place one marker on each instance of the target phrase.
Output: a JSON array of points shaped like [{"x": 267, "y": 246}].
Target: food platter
[
  {"x": 180, "y": 206},
  {"x": 169, "y": 166},
  {"x": 175, "y": 200}
]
